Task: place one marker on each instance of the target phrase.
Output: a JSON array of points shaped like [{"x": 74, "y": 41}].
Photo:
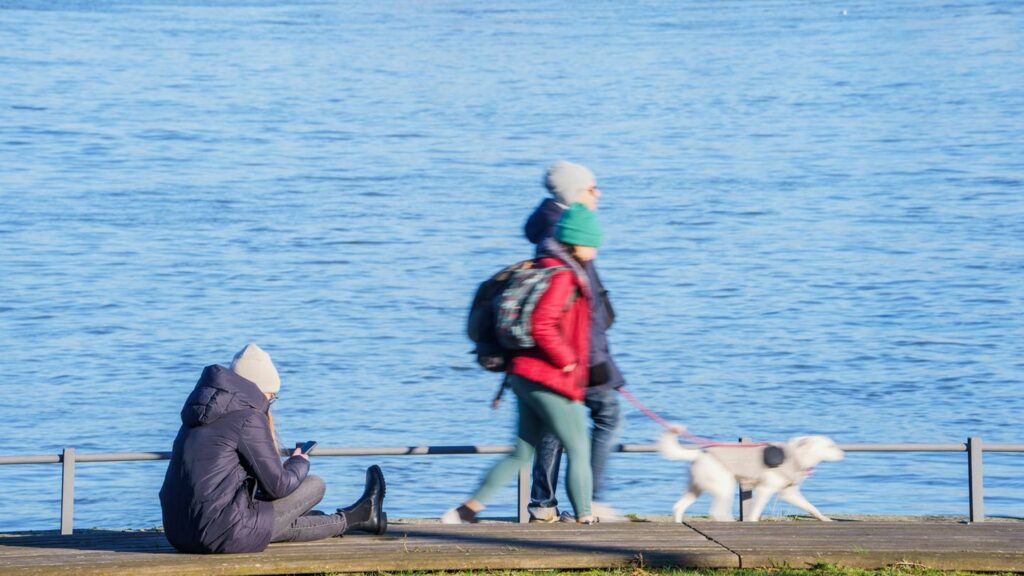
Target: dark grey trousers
[{"x": 294, "y": 521}]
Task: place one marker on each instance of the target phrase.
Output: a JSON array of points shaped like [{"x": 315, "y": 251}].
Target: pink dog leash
[{"x": 675, "y": 429}]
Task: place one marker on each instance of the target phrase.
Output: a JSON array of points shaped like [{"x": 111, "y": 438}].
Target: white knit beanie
[
  {"x": 253, "y": 364},
  {"x": 568, "y": 181}
]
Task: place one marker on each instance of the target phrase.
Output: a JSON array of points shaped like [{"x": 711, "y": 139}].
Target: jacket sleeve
[
  {"x": 547, "y": 316},
  {"x": 256, "y": 445},
  {"x": 602, "y": 304}
]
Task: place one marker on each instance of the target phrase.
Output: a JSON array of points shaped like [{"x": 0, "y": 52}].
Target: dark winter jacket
[
  {"x": 541, "y": 224},
  {"x": 223, "y": 453},
  {"x": 604, "y": 373}
]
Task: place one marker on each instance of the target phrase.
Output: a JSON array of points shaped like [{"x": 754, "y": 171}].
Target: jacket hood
[
  {"x": 541, "y": 223},
  {"x": 218, "y": 392}
]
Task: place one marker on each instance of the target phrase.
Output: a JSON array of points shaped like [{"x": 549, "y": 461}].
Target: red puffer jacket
[{"x": 562, "y": 336}]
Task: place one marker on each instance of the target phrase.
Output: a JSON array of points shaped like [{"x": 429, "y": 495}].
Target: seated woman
[{"x": 226, "y": 489}]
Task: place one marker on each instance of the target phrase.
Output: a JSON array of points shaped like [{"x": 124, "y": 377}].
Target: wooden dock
[{"x": 498, "y": 545}]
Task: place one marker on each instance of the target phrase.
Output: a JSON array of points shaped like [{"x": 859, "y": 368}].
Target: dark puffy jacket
[
  {"x": 541, "y": 224},
  {"x": 604, "y": 372},
  {"x": 224, "y": 451}
]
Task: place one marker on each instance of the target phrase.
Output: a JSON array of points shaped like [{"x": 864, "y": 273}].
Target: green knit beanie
[{"x": 578, "y": 226}]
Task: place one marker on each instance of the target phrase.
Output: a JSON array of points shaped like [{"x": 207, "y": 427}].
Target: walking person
[
  {"x": 226, "y": 489},
  {"x": 569, "y": 183},
  {"x": 549, "y": 379}
]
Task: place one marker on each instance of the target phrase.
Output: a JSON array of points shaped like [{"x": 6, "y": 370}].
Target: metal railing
[{"x": 69, "y": 458}]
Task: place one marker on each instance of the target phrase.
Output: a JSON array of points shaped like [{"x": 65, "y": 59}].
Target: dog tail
[{"x": 670, "y": 448}]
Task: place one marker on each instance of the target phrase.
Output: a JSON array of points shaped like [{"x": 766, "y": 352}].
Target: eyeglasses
[{"x": 273, "y": 398}]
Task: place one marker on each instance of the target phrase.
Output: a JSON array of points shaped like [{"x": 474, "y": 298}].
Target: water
[{"x": 813, "y": 213}]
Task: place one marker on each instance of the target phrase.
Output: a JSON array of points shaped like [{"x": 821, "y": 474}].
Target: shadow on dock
[{"x": 410, "y": 546}]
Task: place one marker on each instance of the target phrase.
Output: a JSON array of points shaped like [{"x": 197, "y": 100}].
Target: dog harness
[{"x": 748, "y": 464}]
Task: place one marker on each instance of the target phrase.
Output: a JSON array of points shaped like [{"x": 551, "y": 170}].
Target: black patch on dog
[{"x": 773, "y": 456}]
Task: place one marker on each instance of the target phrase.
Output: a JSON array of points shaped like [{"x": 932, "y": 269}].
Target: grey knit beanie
[
  {"x": 255, "y": 365},
  {"x": 568, "y": 181}
]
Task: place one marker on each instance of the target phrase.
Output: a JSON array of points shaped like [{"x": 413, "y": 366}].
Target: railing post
[
  {"x": 523, "y": 501},
  {"x": 976, "y": 479},
  {"x": 67, "y": 492},
  {"x": 745, "y": 495}
]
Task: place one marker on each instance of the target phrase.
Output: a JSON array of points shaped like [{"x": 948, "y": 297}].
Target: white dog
[{"x": 766, "y": 469}]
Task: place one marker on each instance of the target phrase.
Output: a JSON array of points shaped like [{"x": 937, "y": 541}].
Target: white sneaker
[
  {"x": 569, "y": 518},
  {"x": 606, "y": 513},
  {"x": 543, "y": 515}
]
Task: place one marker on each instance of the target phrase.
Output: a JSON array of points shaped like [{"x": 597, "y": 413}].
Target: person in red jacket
[{"x": 550, "y": 379}]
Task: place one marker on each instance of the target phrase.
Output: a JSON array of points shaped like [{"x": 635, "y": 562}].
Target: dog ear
[
  {"x": 816, "y": 444},
  {"x": 799, "y": 441}
]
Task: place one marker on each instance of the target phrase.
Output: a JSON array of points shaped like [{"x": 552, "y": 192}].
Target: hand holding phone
[{"x": 305, "y": 447}]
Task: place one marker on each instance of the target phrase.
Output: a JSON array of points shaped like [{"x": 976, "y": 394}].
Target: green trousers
[{"x": 540, "y": 411}]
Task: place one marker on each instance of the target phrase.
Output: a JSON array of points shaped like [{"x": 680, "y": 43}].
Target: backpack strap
[
  {"x": 554, "y": 249},
  {"x": 572, "y": 298},
  {"x": 575, "y": 291}
]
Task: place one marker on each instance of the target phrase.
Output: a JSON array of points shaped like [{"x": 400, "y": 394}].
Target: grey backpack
[{"x": 514, "y": 326}]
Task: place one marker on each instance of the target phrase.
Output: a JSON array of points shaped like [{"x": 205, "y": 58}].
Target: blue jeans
[{"x": 606, "y": 417}]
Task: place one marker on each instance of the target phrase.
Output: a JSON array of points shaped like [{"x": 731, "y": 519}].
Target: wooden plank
[
  {"x": 405, "y": 547},
  {"x": 156, "y": 542},
  {"x": 946, "y": 546},
  {"x": 314, "y": 564},
  {"x": 506, "y": 546}
]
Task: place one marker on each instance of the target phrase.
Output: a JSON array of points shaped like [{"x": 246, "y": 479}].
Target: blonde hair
[{"x": 273, "y": 431}]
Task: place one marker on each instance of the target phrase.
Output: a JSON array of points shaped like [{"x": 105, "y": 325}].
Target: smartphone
[{"x": 305, "y": 447}]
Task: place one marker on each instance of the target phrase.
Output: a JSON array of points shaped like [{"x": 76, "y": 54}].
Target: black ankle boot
[{"x": 367, "y": 514}]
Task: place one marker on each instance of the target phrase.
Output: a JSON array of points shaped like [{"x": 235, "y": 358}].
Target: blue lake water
[{"x": 814, "y": 217}]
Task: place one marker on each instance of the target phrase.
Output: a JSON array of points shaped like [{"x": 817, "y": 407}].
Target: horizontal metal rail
[
  {"x": 69, "y": 457},
  {"x": 485, "y": 449}
]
